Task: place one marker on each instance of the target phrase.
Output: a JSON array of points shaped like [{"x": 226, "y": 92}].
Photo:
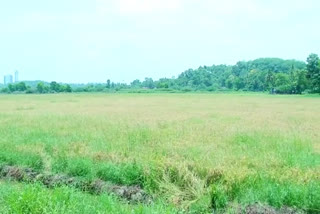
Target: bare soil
[{"x": 130, "y": 193}]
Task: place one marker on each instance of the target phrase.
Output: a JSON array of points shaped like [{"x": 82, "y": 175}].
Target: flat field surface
[{"x": 191, "y": 152}]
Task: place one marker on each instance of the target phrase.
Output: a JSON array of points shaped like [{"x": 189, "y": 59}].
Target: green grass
[
  {"x": 193, "y": 152},
  {"x": 24, "y": 198}
]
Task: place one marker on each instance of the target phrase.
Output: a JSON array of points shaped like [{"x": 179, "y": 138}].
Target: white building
[
  {"x": 8, "y": 79},
  {"x": 16, "y": 76}
]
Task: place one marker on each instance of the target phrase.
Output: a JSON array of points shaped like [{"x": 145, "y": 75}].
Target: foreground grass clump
[
  {"x": 268, "y": 191},
  {"x": 196, "y": 151},
  {"x": 26, "y": 198}
]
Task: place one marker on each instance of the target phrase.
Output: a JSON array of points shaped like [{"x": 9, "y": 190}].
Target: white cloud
[
  {"x": 138, "y": 6},
  {"x": 146, "y": 6}
]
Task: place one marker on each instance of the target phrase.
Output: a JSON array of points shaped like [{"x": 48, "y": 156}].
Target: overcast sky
[{"x": 122, "y": 40}]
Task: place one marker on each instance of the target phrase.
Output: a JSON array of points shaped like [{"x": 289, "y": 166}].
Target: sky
[{"x": 81, "y": 41}]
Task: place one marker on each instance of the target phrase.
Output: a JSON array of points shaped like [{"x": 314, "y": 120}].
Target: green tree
[
  {"x": 270, "y": 81},
  {"x": 68, "y": 88},
  {"x": 148, "y": 83},
  {"x": 282, "y": 83},
  {"x": 40, "y": 87},
  {"x": 21, "y": 86},
  {"x": 299, "y": 81},
  {"x": 12, "y": 87},
  {"x": 255, "y": 80},
  {"x": 313, "y": 68},
  {"x": 230, "y": 81},
  {"x": 54, "y": 86},
  {"x": 163, "y": 83},
  {"x": 108, "y": 83},
  {"x": 135, "y": 84},
  {"x": 4, "y": 90}
]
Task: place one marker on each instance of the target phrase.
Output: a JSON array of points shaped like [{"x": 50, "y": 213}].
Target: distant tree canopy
[
  {"x": 313, "y": 68},
  {"x": 265, "y": 74},
  {"x": 270, "y": 74}
]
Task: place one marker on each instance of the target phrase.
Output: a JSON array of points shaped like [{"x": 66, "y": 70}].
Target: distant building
[
  {"x": 16, "y": 76},
  {"x": 8, "y": 79}
]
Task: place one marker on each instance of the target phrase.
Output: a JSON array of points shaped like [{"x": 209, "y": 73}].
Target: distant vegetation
[{"x": 265, "y": 74}]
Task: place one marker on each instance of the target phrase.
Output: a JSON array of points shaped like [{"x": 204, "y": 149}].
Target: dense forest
[{"x": 271, "y": 75}]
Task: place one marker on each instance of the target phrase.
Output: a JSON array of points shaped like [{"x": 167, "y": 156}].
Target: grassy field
[{"x": 192, "y": 152}]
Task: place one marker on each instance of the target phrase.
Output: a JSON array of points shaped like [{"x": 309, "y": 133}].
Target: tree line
[
  {"x": 265, "y": 74},
  {"x": 41, "y": 87}
]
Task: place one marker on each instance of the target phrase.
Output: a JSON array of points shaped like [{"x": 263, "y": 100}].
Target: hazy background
[{"x": 95, "y": 40}]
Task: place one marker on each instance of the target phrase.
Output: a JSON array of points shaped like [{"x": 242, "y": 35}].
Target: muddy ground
[{"x": 130, "y": 193}]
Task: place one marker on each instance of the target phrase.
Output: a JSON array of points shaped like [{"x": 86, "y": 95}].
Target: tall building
[
  {"x": 16, "y": 76},
  {"x": 8, "y": 79}
]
